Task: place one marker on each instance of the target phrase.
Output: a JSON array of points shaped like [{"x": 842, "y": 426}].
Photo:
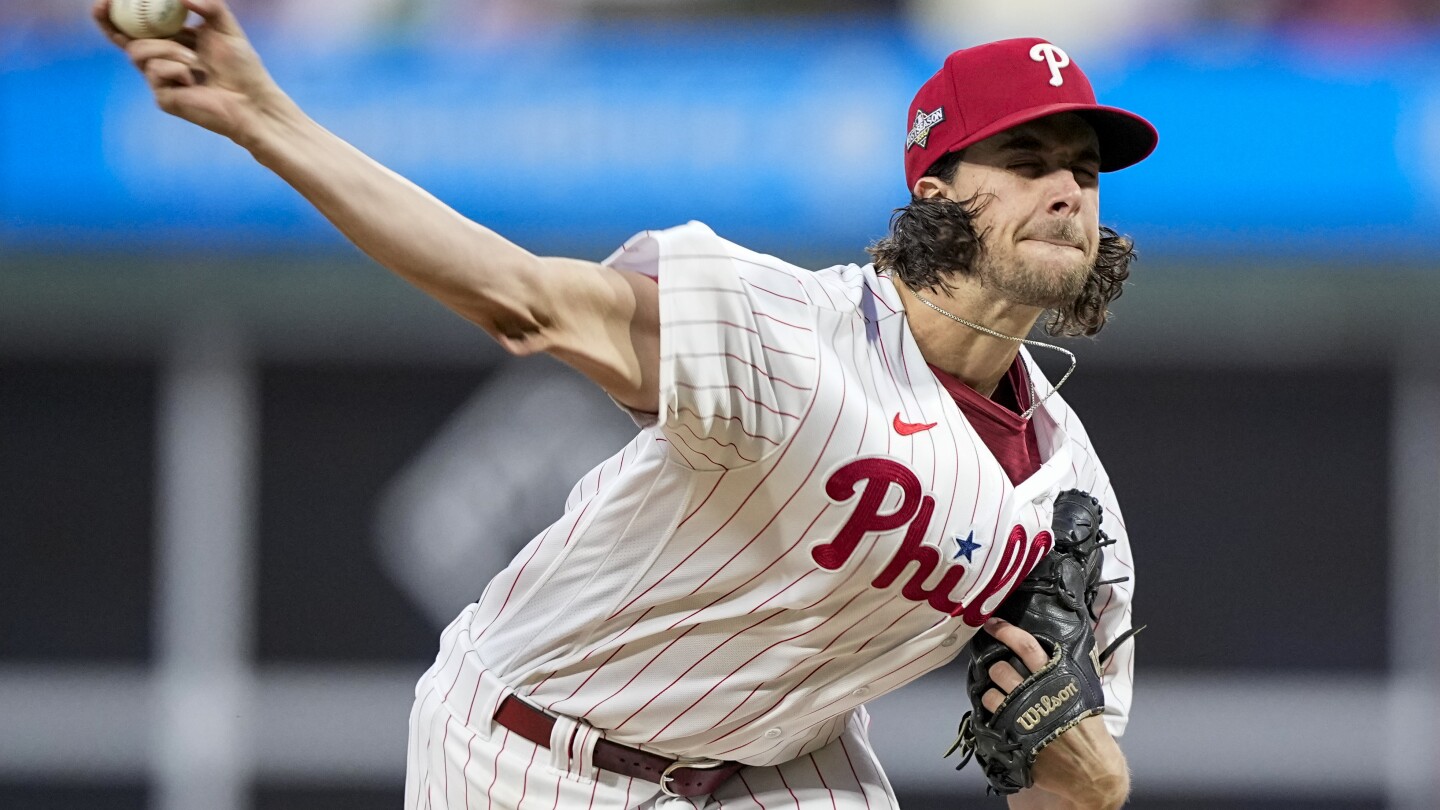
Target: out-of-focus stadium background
[{"x": 245, "y": 475}]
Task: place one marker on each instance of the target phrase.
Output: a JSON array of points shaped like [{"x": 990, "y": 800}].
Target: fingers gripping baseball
[
  {"x": 208, "y": 75},
  {"x": 165, "y": 64}
]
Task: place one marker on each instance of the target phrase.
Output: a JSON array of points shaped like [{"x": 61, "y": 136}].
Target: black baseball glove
[{"x": 1055, "y": 603}]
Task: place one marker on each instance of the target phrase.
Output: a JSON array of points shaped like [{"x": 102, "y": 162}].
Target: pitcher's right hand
[{"x": 208, "y": 74}]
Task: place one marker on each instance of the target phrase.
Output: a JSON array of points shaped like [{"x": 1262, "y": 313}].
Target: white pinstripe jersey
[{"x": 771, "y": 552}]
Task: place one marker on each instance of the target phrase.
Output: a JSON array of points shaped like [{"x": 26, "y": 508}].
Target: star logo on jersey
[
  {"x": 920, "y": 130},
  {"x": 965, "y": 548}
]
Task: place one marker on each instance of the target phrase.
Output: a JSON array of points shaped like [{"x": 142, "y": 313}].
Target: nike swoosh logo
[{"x": 908, "y": 428}]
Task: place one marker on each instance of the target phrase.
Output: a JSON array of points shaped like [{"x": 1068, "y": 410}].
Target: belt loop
[
  {"x": 489, "y": 693},
  {"x": 572, "y": 749}
]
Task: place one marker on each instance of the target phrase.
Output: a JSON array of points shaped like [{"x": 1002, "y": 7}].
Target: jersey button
[
  {"x": 772, "y": 733},
  {"x": 948, "y": 641},
  {"x": 861, "y": 692}
]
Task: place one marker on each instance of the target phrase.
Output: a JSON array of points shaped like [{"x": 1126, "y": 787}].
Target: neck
[{"x": 977, "y": 359}]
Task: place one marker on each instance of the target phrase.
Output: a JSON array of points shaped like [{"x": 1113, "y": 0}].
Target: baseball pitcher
[{"x": 842, "y": 479}]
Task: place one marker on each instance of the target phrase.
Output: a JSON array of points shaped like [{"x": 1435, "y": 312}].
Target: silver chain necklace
[{"x": 1035, "y": 400}]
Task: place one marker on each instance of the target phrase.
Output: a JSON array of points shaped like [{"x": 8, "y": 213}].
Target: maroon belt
[{"x": 675, "y": 777}]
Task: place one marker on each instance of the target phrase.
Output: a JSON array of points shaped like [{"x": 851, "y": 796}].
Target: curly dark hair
[{"x": 933, "y": 239}]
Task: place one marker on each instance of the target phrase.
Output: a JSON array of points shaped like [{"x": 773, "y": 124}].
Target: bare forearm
[
  {"x": 394, "y": 221},
  {"x": 1083, "y": 769}
]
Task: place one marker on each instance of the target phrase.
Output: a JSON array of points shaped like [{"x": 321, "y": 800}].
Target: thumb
[{"x": 217, "y": 15}]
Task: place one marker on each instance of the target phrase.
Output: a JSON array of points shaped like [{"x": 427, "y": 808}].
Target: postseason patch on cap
[{"x": 920, "y": 130}]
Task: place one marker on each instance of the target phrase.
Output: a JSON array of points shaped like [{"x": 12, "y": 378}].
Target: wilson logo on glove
[{"x": 1032, "y": 716}]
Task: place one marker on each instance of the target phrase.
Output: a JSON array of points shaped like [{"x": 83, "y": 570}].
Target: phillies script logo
[{"x": 872, "y": 478}]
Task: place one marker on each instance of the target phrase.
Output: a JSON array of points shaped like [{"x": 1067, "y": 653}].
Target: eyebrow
[{"x": 1029, "y": 143}]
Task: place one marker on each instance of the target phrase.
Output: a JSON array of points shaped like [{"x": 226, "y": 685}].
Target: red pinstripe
[
  {"x": 741, "y": 776},
  {"x": 793, "y": 797},
  {"x": 556, "y": 803},
  {"x": 456, "y": 679},
  {"x": 819, "y": 455},
  {"x": 525, "y": 780},
  {"x": 814, "y": 733},
  {"x": 682, "y": 442},
  {"x": 799, "y": 538},
  {"x": 718, "y": 479},
  {"x": 597, "y": 669},
  {"x": 783, "y": 452},
  {"x": 752, "y": 285},
  {"x": 820, "y": 709},
  {"x": 938, "y": 392},
  {"x": 767, "y": 316},
  {"x": 737, "y": 358},
  {"x": 444, "y": 757},
  {"x": 468, "y": 754},
  {"x": 732, "y": 445},
  {"x": 719, "y": 322},
  {"x": 742, "y": 549},
  {"x": 864, "y": 794},
  {"x": 782, "y": 675},
  {"x": 712, "y": 651},
  {"x": 419, "y": 720},
  {"x": 496, "y": 616},
  {"x": 739, "y": 390},
  {"x": 737, "y": 669},
  {"x": 681, "y": 449},
  {"x": 731, "y": 257},
  {"x": 878, "y": 296},
  {"x": 821, "y": 777},
  {"x": 888, "y": 626},
  {"x": 773, "y": 350},
  {"x": 825, "y": 290},
  {"x": 639, "y": 672},
  {"x": 495, "y": 768},
  {"x": 676, "y": 288},
  {"x": 856, "y": 569}
]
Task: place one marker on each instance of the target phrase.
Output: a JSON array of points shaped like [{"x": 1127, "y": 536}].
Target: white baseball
[{"x": 146, "y": 19}]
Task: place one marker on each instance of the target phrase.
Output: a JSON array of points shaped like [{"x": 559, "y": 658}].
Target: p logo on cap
[
  {"x": 985, "y": 90},
  {"x": 1054, "y": 57}
]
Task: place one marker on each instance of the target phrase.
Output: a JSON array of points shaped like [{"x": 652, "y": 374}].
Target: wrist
[
  {"x": 1102, "y": 792},
  {"x": 274, "y": 120}
]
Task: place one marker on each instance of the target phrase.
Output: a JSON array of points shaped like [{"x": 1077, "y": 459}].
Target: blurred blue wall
[{"x": 780, "y": 137}]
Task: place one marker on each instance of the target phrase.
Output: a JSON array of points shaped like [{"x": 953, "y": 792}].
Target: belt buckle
[{"x": 684, "y": 762}]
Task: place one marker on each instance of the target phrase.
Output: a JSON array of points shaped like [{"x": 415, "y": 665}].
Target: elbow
[
  {"x": 520, "y": 337},
  {"x": 510, "y": 309}
]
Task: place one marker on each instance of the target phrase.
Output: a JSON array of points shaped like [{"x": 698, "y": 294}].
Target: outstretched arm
[{"x": 601, "y": 321}]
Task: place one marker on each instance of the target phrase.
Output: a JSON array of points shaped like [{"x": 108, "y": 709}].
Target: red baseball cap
[{"x": 987, "y": 89}]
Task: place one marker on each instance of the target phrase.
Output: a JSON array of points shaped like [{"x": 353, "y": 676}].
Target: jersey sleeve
[{"x": 738, "y": 355}]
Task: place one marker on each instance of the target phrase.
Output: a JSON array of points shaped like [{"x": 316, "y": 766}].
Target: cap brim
[{"x": 1125, "y": 138}]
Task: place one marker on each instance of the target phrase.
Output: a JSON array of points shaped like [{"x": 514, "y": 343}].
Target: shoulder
[
  {"x": 859, "y": 289},
  {"x": 693, "y": 248},
  {"x": 694, "y": 255}
]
